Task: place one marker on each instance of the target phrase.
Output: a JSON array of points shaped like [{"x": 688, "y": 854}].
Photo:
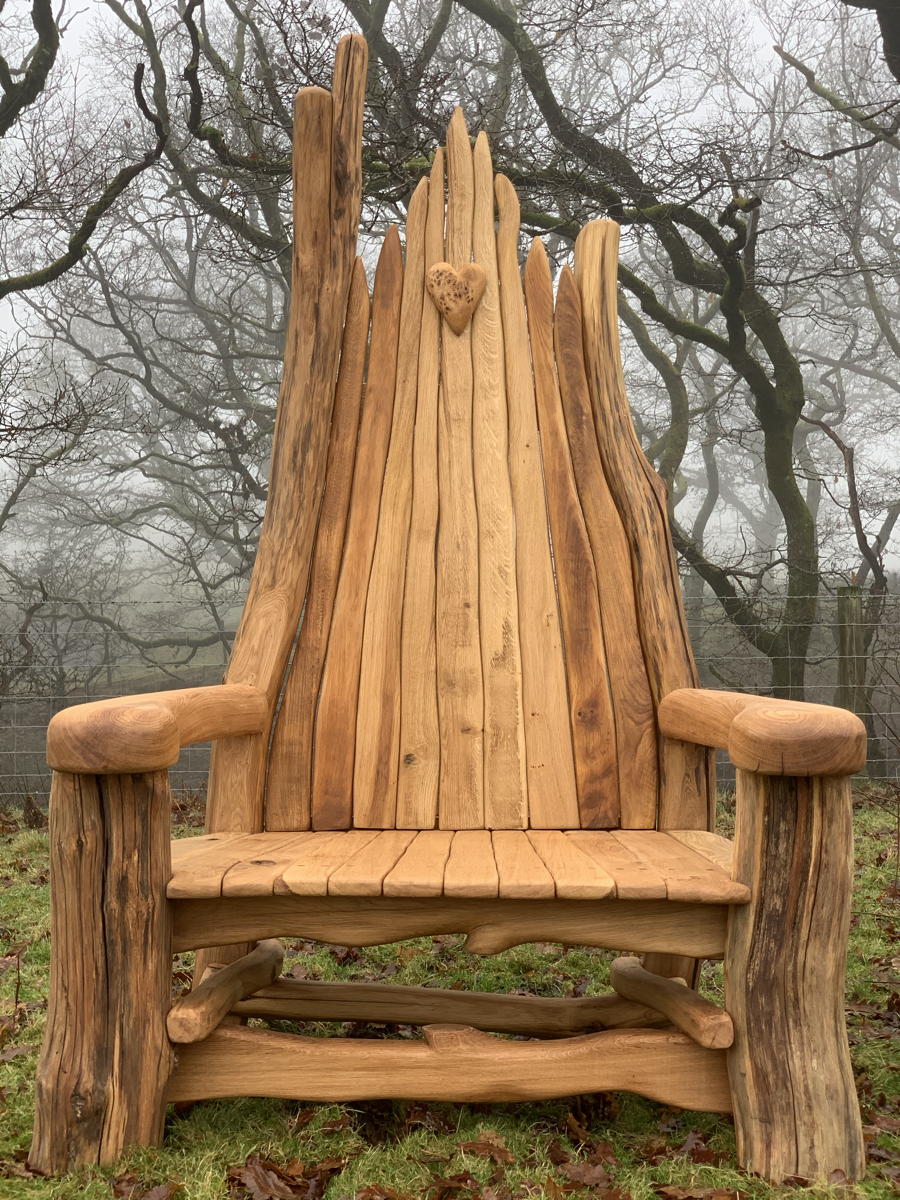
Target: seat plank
[
  {"x": 521, "y": 871},
  {"x": 576, "y": 876},
  {"x": 378, "y": 714},
  {"x": 590, "y": 703},
  {"x": 335, "y": 732},
  {"x": 688, "y": 875},
  {"x": 200, "y": 875},
  {"x": 188, "y": 847},
  {"x": 420, "y": 748},
  {"x": 460, "y": 693},
  {"x": 552, "y": 793},
  {"x": 636, "y": 739},
  {"x": 420, "y": 869},
  {"x": 363, "y": 873},
  {"x": 317, "y": 861},
  {"x": 505, "y": 799},
  {"x": 256, "y": 873},
  {"x": 713, "y": 846},
  {"x": 289, "y": 779},
  {"x": 471, "y": 869},
  {"x": 635, "y": 878}
]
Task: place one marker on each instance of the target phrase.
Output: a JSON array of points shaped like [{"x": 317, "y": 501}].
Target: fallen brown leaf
[
  {"x": 489, "y": 1145},
  {"x": 12, "y": 1052},
  {"x": 586, "y": 1173}
]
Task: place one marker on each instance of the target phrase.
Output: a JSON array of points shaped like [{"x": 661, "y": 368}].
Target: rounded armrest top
[
  {"x": 146, "y": 732},
  {"x": 760, "y": 733}
]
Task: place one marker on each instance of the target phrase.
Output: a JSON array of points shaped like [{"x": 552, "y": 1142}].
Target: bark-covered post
[
  {"x": 106, "y": 1058},
  {"x": 795, "y": 1106}
]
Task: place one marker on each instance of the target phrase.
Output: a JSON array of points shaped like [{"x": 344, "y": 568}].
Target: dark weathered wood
[
  {"x": 795, "y": 1107},
  {"x": 106, "y": 1059}
]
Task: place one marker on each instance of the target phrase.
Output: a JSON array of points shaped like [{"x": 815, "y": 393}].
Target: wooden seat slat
[
  {"x": 636, "y": 879},
  {"x": 471, "y": 869},
  {"x": 257, "y": 873},
  {"x": 319, "y": 858},
  {"x": 713, "y": 846},
  {"x": 520, "y": 869},
  {"x": 420, "y": 869},
  {"x": 363, "y": 873},
  {"x": 688, "y": 875},
  {"x": 576, "y": 876}
]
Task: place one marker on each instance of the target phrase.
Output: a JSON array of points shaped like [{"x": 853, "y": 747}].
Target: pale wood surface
[
  {"x": 106, "y": 1059},
  {"x": 629, "y": 864},
  {"x": 796, "y": 1112},
  {"x": 686, "y": 783},
  {"x": 289, "y": 779},
  {"x": 701, "y": 1020},
  {"x": 552, "y": 789},
  {"x": 453, "y": 1063},
  {"x": 645, "y": 926},
  {"x": 292, "y": 999},
  {"x": 194, "y": 1016},
  {"x": 455, "y": 292},
  {"x": 335, "y": 731},
  {"x": 763, "y": 734}
]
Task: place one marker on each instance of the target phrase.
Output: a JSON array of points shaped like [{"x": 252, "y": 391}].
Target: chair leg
[
  {"x": 106, "y": 1059},
  {"x": 795, "y": 1106}
]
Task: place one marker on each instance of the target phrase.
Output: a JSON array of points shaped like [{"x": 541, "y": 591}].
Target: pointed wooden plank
[
  {"x": 200, "y": 876},
  {"x": 335, "y": 740},
  {"x": 688, "y": 875},
  {"x": 576, "y": 876},
  {"x": 378, "y": 715},
  {"x": 636, "y": 879},
  {"x": 420, "y": 870},
  {"x": 420, "y": 749},
  {"x": 520, "y": 868},
  {"x": 460, "y": 692},
  {"x": 327, "y": 157},
  {"x": 590, "y": 704},
  {"x": 255, "y": 874},
  {"x": 687, "y": 779},
  {"x": 471, "y": 869},
  {"x": 289, "y": 780},
  {"x": 318, "y": 859},
  {"x": 363, "y": 874},
  {"x": 552, "y": 791},
  {"x": 505, "y": 795},
  {"x": 719, "y": 850},
  {"x": 636, "y": 739}
]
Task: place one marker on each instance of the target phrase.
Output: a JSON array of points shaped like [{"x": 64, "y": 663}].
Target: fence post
[{"x": 851, "y": 654}]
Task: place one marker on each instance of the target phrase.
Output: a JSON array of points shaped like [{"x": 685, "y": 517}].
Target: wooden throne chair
[{"x": 461, "y": 699}]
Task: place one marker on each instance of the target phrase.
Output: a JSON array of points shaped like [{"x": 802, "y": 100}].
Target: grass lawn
[{"x": 611, "y": 1146}]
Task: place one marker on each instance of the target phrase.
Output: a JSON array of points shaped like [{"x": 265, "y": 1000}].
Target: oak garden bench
[{"x": 461, "y": 699}]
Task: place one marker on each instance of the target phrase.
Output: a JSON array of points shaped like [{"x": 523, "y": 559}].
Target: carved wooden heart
[{"x": 456, "y": 292}]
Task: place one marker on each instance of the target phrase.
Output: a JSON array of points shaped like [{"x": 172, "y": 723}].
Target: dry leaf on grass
[{"x": 489, "y": 1145}]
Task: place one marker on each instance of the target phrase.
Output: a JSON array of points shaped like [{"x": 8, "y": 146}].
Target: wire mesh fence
[{"x": 77, "y": 660}]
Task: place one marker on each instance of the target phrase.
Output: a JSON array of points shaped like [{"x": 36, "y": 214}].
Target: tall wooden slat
[
  {"x": 460, "y": 692},
  {"x": 505, "y": 795},
  {"x": 552, "y": 794},
  {"x": 632, "y": 702},
  {"x": 289, "y": 780},
  {"x": 686, "y": 791},
  {"x": 378, "y": 714},
  {"x": 327, "y": 188},
  {"x": 590, "y": 705},
  {"x": 334, "y": 741},
  {"x": 420, "y": 749}
]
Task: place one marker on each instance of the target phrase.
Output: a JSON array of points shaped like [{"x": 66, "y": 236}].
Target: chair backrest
[{"x": 465, "y": 608}]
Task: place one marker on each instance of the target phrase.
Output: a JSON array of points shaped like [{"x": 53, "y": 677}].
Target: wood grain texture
[
  {"x": 687, "y": 874},
  {"x": 552, "y": 790},
  {"x": 591, "y": 713},
  {"x": 796, "y": 1113},
  {"x": 491, "y": 924},
  {"x": 455, "y": 292},
  {"x": 420, "y": 746},
  {"x": 635, "y": 726},
  {"x": 535, "y": 1016},
  {"x": 309, "y": 873},
  {"x": 462, "y": 1065},
  {"x": 194, "y": 1016},
  {"x": 363, "y": 873},
  {"x": 378, "y": 710},
  {"x": 327, "y": 155},
  {"x": 505, "y": 786},
  {"x": 761, "y": 733},
  {"x": 712, "y": 846},
  {"x": 420, "y": 869},
  {"x": 471, "y": 869},
  {"x": 460, "y": 688},
  {"x": 146, "y": 732},
  {"x": 575, "y": 875},
  {"x": 335, "y": 729},
  {"x": 702, "y": 1021},
  {"x": 636, "y": 878},
  {"x": 520, "y": 868},
  {"x": 105, "y": 1061},
  {"x": 686, "y": 773},
  {"x": 289, "y": 779}
]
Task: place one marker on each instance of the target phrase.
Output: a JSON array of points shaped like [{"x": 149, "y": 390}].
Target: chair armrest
[
  {"x": 760, "y": 733},
  {"x": 146, "y": 732}
]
